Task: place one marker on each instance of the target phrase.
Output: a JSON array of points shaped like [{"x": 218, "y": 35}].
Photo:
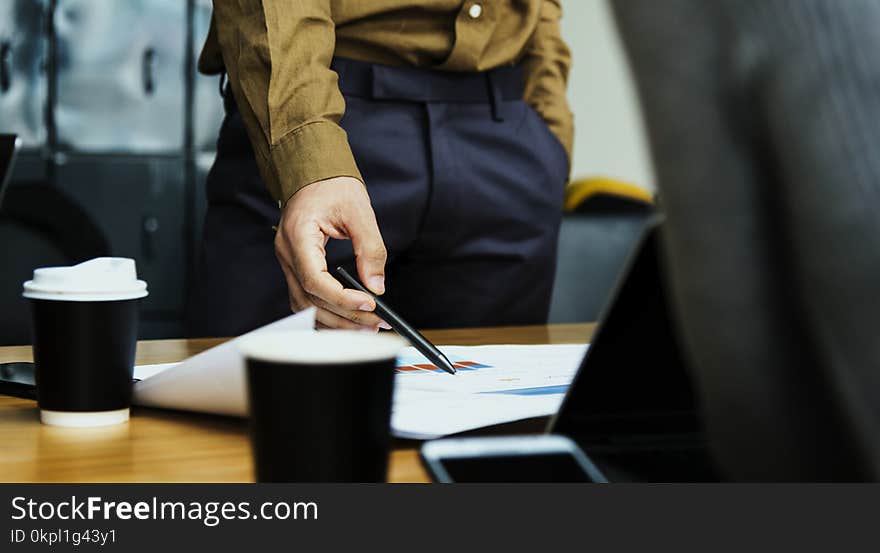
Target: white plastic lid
[
  {"x": 322, "y": 347},
  {"x": 99, "y": 279}
]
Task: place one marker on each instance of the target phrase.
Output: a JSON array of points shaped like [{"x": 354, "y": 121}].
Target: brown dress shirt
[{"x": 277, "y": 54}]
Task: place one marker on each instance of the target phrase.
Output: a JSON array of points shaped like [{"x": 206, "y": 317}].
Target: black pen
[{"x": 400, "y": 326}]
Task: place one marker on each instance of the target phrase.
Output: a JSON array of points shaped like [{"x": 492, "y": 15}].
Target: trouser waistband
[
  {"x": 385, "y": 82},
  {"x": 414, "y": 84}
]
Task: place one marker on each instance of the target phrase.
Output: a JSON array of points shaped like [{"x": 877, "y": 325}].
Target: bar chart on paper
[
  {"x": 516, "y": 370},
  {"x": 494, "y": 385},
  {"x": 414, "y": 363}
]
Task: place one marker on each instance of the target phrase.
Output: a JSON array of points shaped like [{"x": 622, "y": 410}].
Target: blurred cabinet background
[
  {"x": 119, "y": 132},
  {"x": 22, "y": 79}
]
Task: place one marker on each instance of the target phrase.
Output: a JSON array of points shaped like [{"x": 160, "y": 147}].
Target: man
[{"x": 425, "y": 142}]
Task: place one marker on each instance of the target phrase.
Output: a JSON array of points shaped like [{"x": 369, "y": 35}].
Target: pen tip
[{"x": 450, "y": 368}]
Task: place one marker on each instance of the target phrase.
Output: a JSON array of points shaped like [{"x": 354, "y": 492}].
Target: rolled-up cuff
[{"x": 313, "y": 152}]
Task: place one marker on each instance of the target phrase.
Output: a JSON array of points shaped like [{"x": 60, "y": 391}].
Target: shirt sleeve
[
  {"x": 277, "y": 55},
  {"x": 547, "y": 61}
]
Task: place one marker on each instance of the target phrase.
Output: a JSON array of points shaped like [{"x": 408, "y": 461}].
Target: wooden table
[{"x": 165, "y": 446}]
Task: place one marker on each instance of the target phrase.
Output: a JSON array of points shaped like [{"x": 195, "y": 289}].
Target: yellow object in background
[{"x": 581, "y": 191}]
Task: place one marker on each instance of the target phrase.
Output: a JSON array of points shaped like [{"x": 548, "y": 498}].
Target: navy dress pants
[{"x": 467, "y": 183}]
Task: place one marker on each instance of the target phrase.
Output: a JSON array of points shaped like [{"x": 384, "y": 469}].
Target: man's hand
[{"x": 336, "y": 208}]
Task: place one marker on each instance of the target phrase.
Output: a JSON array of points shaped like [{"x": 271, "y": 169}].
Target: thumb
[{"x": 369, "y": 249}]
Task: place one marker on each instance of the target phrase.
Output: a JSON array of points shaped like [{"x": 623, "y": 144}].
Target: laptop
[
  {"x": 631, "y": 406},
  {"x": 9, "y": 145}
]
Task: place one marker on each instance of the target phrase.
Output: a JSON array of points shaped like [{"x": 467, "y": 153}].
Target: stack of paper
[{"x": 494, "y": 384}]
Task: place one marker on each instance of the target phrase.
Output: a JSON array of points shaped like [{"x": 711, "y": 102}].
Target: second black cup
[{"x": 320, "y": 405}]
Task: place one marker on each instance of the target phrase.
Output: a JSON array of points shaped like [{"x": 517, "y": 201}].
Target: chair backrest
[
  {"x": 603, "y": 221},
  {"x": 764, "y": 123},
  {"x": 39, "y": 227},
  {"x": 592, "y": 252}
]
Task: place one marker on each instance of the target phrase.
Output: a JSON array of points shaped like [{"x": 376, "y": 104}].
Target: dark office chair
[
  {"x": 764, "y": 122},
  {"x": 39, "y": 227},
  {"x": 602, "y": 223}
]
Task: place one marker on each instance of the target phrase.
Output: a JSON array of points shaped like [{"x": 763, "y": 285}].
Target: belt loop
[{"x": 495, "y": 98}]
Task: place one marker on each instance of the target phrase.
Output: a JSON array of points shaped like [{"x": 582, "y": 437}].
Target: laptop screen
[{"x": 632, "y": 382}]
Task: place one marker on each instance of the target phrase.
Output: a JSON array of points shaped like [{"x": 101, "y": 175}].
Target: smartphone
[
  {"x": 17, "y": 380},
  {"x": 541, "y": 458}
]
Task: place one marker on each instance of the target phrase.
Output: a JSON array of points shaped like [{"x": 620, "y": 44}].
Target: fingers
[
  {"x": 328, "y": 319},
  {"x": 369, "y": 249},
  {"x": 364, "y": 318},
  {"x": 334, "y": 208},
  {"x": 322, "y": 326},
  {"x": 328, "y": 315},
  {"x": 309, "y": 266}
]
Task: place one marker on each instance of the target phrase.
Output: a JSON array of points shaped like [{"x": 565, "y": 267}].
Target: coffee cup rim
[
  {"x": 348, "y": 347},
  {"x": 98, "y": 279},
  {"x": 35, "y": 293}
]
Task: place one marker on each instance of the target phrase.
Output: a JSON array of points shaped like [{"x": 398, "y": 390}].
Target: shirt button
[{"x": 475, "y": 11}]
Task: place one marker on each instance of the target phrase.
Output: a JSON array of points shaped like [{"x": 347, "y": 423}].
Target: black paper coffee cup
[
  {"x": 320, "y": 404},
  {"x": 84, "y": 322}
]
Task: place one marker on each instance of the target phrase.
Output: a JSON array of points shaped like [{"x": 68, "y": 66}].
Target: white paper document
[
  {"x": 494, "y": 385},
  {"x": 209, "y": 382}
]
